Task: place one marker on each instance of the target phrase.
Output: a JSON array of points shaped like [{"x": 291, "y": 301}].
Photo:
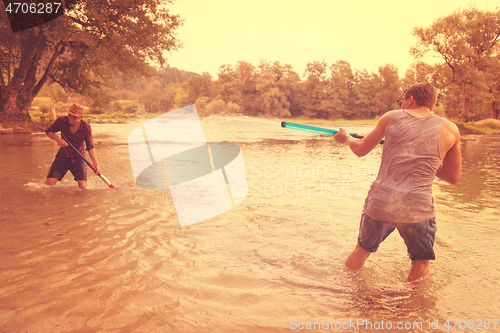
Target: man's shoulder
[
  {"x": 58, "y": 124},
  {"x": 86, "y": 128},
  {"x": 86, "y": 125},
  {"x": 450, "y": 127},
  {"x": 450, "y": 132},
  {"x": 385, "y": 119}
]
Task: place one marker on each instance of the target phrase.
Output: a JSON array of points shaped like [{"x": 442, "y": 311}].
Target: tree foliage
[
  {"x": 467, "y": 42},
  {"x": 82, "y": 50},
  {"x": 271, "y": 89},
  {"x": 103, "y": 49}
]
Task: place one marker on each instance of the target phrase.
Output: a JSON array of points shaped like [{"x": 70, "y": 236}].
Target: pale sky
[{"x": 367, "y": 34}]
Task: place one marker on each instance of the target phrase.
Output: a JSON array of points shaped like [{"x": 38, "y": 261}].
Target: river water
[{"x": 104, "y": 260}]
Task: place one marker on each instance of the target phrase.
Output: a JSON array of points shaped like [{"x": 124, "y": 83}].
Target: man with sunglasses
[
  {"x": 418, "y": 147},
  {"x": 75, "y": 130}
]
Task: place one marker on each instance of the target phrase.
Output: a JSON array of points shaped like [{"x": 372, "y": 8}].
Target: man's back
[
  {"x": 418, "y": 101},
  {"x": 409, "y": 163}
]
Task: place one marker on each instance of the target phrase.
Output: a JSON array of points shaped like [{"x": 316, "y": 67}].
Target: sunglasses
[{"x": 400, "y": 101}]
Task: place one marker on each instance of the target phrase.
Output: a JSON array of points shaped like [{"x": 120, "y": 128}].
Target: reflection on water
[{"x": 103, "y": 260}]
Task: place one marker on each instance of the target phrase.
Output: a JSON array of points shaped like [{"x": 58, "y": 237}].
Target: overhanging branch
[
  {"x": 83, "y": 24},
  {"x": 60, "y": 49}
]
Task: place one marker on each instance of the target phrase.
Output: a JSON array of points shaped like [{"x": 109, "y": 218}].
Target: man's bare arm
[
  {"x": 95, "y": 162},
  {"x": 451, "y": 168},
  {"x": 363, "y": 146},
  {"x": 57, "y": 139}
]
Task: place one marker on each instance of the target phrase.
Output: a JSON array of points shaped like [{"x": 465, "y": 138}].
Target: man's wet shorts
[
  {"x": 418, "y": 237},
  {"x": 60, "y": 167}
]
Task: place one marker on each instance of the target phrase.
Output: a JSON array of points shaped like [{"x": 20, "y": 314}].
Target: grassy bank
[
  {"x": 485, "y": 127},
  {"x": 39, "y": 116}
]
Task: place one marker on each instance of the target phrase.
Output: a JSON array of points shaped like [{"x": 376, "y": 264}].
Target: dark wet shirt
[{"x": 83, "y": 134}]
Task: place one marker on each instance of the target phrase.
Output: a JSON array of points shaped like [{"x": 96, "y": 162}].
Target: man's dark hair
[{"x": 423, "y": 93}]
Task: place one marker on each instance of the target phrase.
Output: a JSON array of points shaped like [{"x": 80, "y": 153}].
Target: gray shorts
[{"x": 418, "y": 237}]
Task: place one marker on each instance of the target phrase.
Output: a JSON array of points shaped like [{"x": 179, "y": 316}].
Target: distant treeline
[{"x": 272, "y": 90}]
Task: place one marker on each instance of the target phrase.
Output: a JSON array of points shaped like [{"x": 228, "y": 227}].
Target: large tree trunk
[
  {"x": 464, "y": 116},
  {"x": 9, "y": 107},
  {"x": 16, "y": 98},
  {"x": 13, "y": 109},
  {"x": 495, "y": 112},
  {"x": 12, "y": 106}
]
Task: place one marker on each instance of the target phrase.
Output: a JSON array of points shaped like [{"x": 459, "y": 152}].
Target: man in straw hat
[{"x": 75, "y": 130}]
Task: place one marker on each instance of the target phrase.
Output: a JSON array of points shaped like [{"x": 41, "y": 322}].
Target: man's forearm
[
  {"x": 93, "y": 156},
  {"x": 446, "y": 175},
  {"x": 355, "y": 145},
  {"x": 53, "y": 136},
  {"x": 57, "y": 139}
]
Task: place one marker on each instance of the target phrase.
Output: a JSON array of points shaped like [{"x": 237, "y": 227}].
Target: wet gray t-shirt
[{"x": 402, "y": 192}]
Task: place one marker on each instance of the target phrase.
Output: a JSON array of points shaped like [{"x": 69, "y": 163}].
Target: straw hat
[{"x": 77, "y": 110}]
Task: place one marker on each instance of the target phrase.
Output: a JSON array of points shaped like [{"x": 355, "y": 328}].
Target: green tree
[
  {"x": 490, "y": 98},
  {"x": 435, "y": 75},
  {"x": 420, "y": 72},
  {"x": 315, "y": 90},
  {"x": 99, "y": 99},
  {"x": 273, "y": 102},
  {"x": 181, "y": 98},
  {"x": 389, "y": 90},
  {"x": 288, "y": 82},
  {"x": 198, "y": 86},
  {"x": 340, "y": 89},
  {"x": 365, "y": 89},
  {"x": 57, "y": 94},
  {"x": 280, "y": 82},
  {"x": 82, "y": 49},
  {"x": 201, "y": 105},
  {"x": 154, "y": 97},
  {"x": 466, "y": 40},
  {"x": 246, "y": 77},
  {"x": 217, "y": 106},
  {"x": 227, "y": 86}
]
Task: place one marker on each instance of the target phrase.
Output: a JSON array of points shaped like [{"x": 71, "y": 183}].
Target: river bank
[{"x": 484, "y": 127}]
